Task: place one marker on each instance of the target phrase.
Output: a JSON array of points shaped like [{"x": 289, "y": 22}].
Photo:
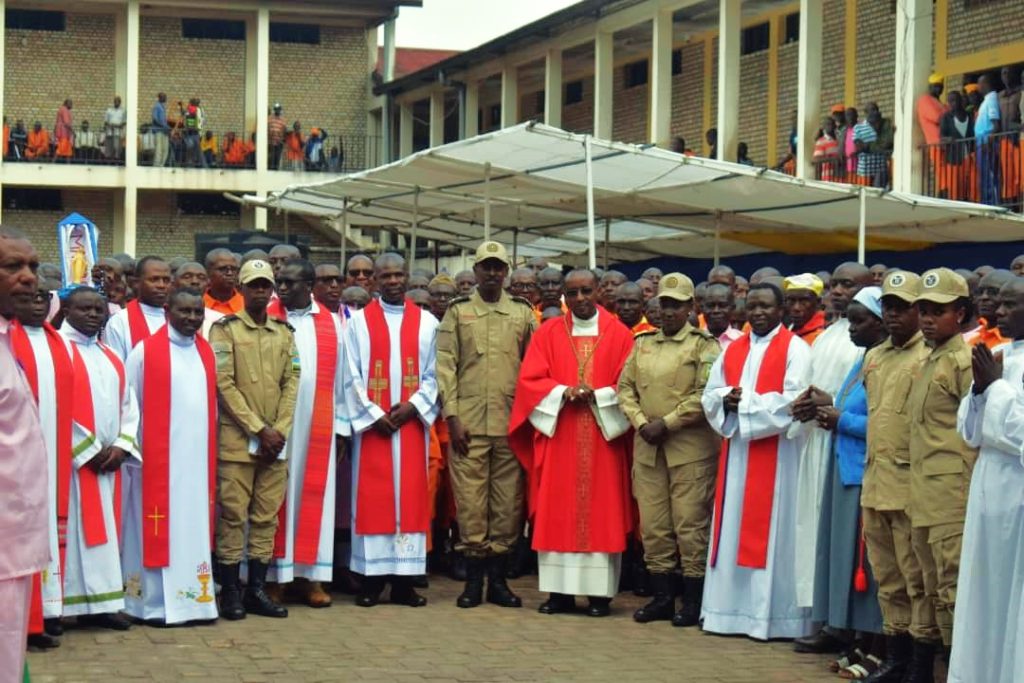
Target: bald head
[
  {"x": 848, "y": 279},
  {"x": 760, "y": 274},
  {"x": 537, "y": 264},
  {"x": 722, "y": 275},
  {"x": 629, "y": 303},
  {"x": 389, "y": 260},
  {"x": 1017, "y": 266},
  {"x": 986, "y": 301}
]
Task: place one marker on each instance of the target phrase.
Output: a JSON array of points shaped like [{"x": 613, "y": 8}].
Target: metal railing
[
  {"x": 85, "y": 145},
  {"x": 987, "y": 170}
]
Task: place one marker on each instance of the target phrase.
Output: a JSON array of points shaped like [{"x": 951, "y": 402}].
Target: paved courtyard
[{"x": 437, "y": 643}]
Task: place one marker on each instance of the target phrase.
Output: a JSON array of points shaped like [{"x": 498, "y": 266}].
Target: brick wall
[
  {"x": 993, "y": 24},
  {"x": 753, "y": 123},
  {"x": 833, "y": 46},
  {"x": 41, "y": 226},
  {"x": 43, "y": 68},
  {"x": 629, "y": 113},
  {"x": 876, "y": 55},
  {"x": 688, "y": 96},
  {"x": 579, "y": 117},
  {"x": 788, "y": 86}
]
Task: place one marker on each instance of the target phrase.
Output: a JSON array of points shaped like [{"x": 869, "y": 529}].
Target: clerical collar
[
  {"x": 179, "y": 339},
  {"x": 153, "y": 311},
  {"x": 770, "y": 335},
  {"x": 580, "y": 324},
  {"x": 392, "y": 308},
  {"x": 77, "y": 337}
]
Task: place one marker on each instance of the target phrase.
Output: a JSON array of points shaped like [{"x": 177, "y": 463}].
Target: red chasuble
[
  {"x": 138, "y": 328},
  {"x": 762, "y": 455},
  {"x": 321, "y": 439},
  {"x": 579, "y": 483},
  {"x": 375, "y": 492},
  {"x": 156, "y": 443}
]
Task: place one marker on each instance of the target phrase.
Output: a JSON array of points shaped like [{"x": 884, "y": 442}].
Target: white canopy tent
[{"x": 549, "y": 192}]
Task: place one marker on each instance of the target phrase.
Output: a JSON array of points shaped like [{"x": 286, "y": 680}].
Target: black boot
[
  {"x": 369, "y": 591},
  {"x": 256, "y": 600},
  {"x": 53, "y": 627},
  {"x": 403, "y": 592},
  {"x": 42, "y": 641},
  {"x": 473, "y": 593},
  {"x": 922, "y": 663},
  {"x": 599, "y": 607},
  {"x": 231, "y": 607},
  {"x": 898, "y": 650},
  {"x": 558, "y": 603},
  {"x": 663, "y": 604},
  {"x": 693, "y": 597},
  {"x": 498, "y": 592},
  {"x": 459, "y": 567}
]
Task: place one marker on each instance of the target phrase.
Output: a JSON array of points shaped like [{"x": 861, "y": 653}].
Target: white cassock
[
  {"x": 988, "y": 632},
  {"x": 92, "y": 574},
  {"x": 399, "y": 553},
  {"x": 53, "y": 594},
  {"x": 832, "y": 356},
  {"x": 174, "y": 593},
  {"x": 760, "y": 603},
  {"x": 284, "y": 569},
  {"x": 118, "y": 337},
  {"x": 591, "y": 574}
]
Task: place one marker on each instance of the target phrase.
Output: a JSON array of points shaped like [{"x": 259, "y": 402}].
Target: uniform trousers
[
  {"x": 249, "y": 492},
  {"x": 488, "y": 486},
  {"x": 898, "y": 574},
  {"x": 937, "y": 549}
]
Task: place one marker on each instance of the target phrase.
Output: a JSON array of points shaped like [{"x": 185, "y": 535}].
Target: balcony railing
[
  {"x": 85, "y": 146},
  {"x": 986, "y": 170}
]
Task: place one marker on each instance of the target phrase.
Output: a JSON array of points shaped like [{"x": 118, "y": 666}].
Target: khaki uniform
[
  {"x": 257, "y": 381},
  {"x": 479, "y": 349},
  {"x": 940, "y": 473},
  {"x": 674, "y": 483},
  {"x": 889, "y": 372}
]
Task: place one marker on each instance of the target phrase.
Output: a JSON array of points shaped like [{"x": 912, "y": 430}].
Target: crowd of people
[{"x": 832, "y": 458}]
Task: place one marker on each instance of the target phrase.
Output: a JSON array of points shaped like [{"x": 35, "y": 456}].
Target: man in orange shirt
[
  {"x": 234, "y": 151},
  {"x": 986, "y": 303},
  {"x": 803, "y": 303},
  {"x": 222, "y": 295},
  {"x": 929, "y": 112},
  {"x": 294, "y": 149},
  {"x": 629, "y": 307},
  {"x": 38, "y": 146}
]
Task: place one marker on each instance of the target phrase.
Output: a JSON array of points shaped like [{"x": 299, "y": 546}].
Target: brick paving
[{"x": 436, "y": 643}]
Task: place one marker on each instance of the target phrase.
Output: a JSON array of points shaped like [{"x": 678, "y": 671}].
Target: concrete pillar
[
  {"x": 728, "y": 78},
  {"x": 262, "y": 87},
  {"x": 3, "y": 48},
  {"x": 509, "y": 96},
  {"x": 553, "y": 88},
  {"x": 471, "y": 110},
  {"x": 604, "y": 51},
  {"x": 131, "y": 92},
  {"x": 437, "y": 118},
  {"x": 125, "y": 219},
  {"x": 913, "y": 63},
  {"x": 404, "y": 129},
  {"x": 660, "y": 131},
  {"x": 808, "y": 105}
]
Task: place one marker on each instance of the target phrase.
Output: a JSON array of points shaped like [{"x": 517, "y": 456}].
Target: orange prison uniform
[
  {"x": 229, "y": 307},
  {"x": 38, "y": 144}
]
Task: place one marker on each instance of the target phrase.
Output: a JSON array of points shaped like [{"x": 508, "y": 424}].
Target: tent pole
[
  {"x": 487, "y": 201},
  {"x": 862, "y": 228},
  {"x": 415, "y": 225},
  {"x": 286, "y": 227},
  {"x": 344, "y": 235},
  {"x": 515, "y": 246},
  {"x": 591, "y": 240},
  {"x": 718, "y": 237},
  {"x": 607, "y": 238}
]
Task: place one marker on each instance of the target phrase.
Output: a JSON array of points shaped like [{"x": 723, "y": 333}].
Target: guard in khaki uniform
[
  {"x": 674, "y": 450},
  {"x": 889, "y": 371},
  {"x": 257, "y": 381},
  {"x": 940, "y": 460},
  {"x": 480, "y": 345}
]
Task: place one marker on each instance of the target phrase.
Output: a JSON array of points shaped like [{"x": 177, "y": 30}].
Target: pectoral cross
[
  {"x": 409, "y": 380},
  {"x": 378, "y": 383},
  {"x": 156, "y": 517}
]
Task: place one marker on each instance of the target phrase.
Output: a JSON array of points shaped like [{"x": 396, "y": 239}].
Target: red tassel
[{"x": 860, "y": 577}]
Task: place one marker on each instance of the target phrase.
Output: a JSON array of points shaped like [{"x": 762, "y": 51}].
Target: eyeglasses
[
  {"x": 357, "y": 273},
  {"x": 328, "y": 280},
  {"x": 289, "y": 282},
  {"x": 226, "y": 269}
]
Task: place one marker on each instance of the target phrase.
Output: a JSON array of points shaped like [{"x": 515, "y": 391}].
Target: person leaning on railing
[
  {"x": 954, "y": 168},
  {"x": 826, "y": 151}
]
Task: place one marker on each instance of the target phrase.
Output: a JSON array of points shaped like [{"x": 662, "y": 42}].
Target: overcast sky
[{"x": 463, "y": 24}]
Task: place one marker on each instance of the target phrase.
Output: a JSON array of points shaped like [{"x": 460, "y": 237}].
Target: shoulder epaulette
[
  {"x": 703, "y": 333},
  {"x": 225, "y": 319},
  {"x": 281, "y": 322},
  {"x": 646, "y": 333},
  {"x": 461, "y": 299},
  {"x": 521, "y": 300}
]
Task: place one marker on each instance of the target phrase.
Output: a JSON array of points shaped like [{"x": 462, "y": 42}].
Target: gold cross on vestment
[
  {"x": 156, "y": 517},
  {"x": 378, "y": 384},
  {"x": 409, "y": 380}
]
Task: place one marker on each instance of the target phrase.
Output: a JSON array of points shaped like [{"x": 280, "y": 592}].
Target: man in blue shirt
[
  {"x": 161, "y": 129},
  {"x": 986, "y": 125}
]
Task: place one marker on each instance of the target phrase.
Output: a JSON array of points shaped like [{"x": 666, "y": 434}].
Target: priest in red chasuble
[{"x": 569, "y": 434}]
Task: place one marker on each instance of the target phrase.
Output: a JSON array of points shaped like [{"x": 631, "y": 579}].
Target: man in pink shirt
[
  {"x": 719, "y": 302},
  {"x": 23, "y": 481}
]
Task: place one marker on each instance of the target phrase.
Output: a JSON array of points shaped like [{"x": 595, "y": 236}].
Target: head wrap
[
  {"x": 442, "y": 279},
  {"x": 838, "y": 108},
  {"x": 808, "y": 281},
  {"x": 936, "y": 79},
  {"x": 971, "y": 87},
  {"x": 871, "y": 299}
]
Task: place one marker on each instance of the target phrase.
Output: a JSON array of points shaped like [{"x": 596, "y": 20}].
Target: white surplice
[
  {"x": 118, "y": 336},
  {"x": 284, "y": 569},
  {"x": 760, "y": 603},
  {"x": 181, "y": 591},
  {"x": 988, "y": 633},
  {"x": 832, "y": 356},
  {"x": 52, "y": 578},
  {"x": 399, "y": 553},
  {"x": 591, "y": 574},
  {"x": 92, "y": 574}
]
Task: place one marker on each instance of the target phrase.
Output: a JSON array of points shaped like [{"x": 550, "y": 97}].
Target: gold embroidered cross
[
  {"x": 378, "y": 383},
  {"x": 409, "y": 380},
  {"x": 156, "y": 517}
]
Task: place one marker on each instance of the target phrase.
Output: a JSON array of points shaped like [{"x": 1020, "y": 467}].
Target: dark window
[
  {"x": 574, "y": 92},
  {"x": 305, "y": 34},
  {"x": 539, "y": 102},
  {"x": 677, "y": 62},
  {"x": 792, "y": 28},
  {"x": 972, "y": 4},
  {"x": 31, "y": 199},
  {"x": 635, "y": 74},
  {"x": 34, "y": 20},
  {"x": 755, "y": 39},
  {"x": 206, "y": 204},
  {"x": 495, "y": 116},
  {"x": 213, "y": 29}
]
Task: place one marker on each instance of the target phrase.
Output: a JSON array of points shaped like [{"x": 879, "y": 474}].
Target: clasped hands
[
  {"x": 579, "y": 394},
  {"x": 815, "y": 404},
  {"x": 399, "y": 414},
  {"x": 109, "y": 459}
]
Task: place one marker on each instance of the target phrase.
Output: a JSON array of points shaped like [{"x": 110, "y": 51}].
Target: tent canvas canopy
[{"x": 565, "y": 195}]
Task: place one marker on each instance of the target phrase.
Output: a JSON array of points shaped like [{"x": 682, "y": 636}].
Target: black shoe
[
  {"x": 420, "y": 581},
  {"x": 599, "y": 607},
  {"x": 642, "y": 587},
  {"x": 693, "y": 598},
  {"x": 403, "y": 592},
  {"x": 922, "y": 663},
  {"x": 114, "y": 621},
  {"x": 819, "y": 643},
  {"x": 898, "y": 651},
  {"x": 473, "y": 593},
  {"x": 663, "y": 604},
  {"x": 459, "y": 567},
  {"x": 42, "y": 641},
  {"x": 369, "y": 591},
  {"x": 498, "y": 592},
  {"x": 53, "y": 627},
  {"x": 256, "y": 600},
  {"x": 558, "y": 603},
  {"x": 231, "y": 607}
]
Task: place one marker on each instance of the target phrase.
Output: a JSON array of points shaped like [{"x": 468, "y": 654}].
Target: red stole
[
  {"x": 762, "y": 455},
  {"x": 375, "y": 493},
  {"x": 138, "y": 328},
  {"x": 156, "y": 443},
  {"x": 321, "y": 439},
  {"x": 93, "y": 526}
]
